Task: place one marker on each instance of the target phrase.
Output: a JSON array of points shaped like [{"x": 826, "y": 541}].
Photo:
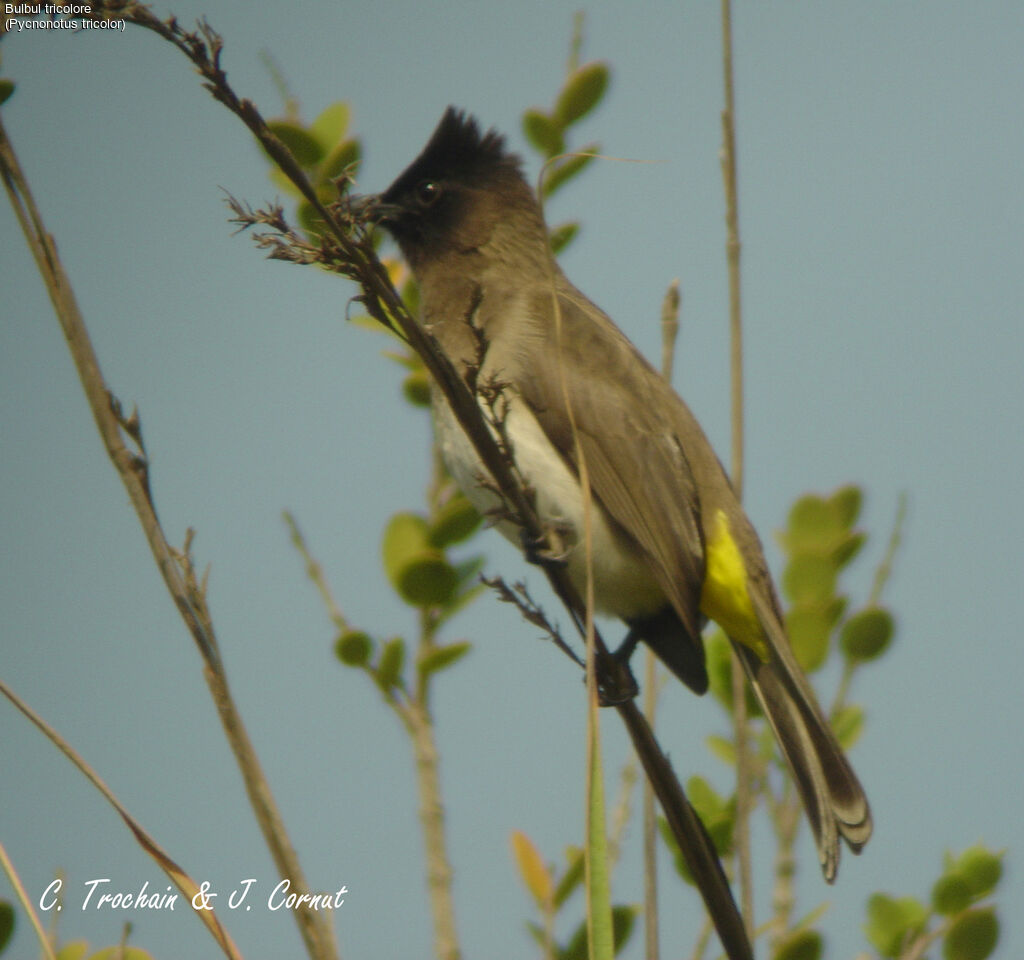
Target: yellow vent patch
[{"x": 724, "y": 597}]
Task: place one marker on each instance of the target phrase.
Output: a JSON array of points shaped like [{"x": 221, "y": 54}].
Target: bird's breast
[{"x": 623, "y": 584}]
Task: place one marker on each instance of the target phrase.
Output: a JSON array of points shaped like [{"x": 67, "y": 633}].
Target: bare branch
[{"x": 175, "y": 567}]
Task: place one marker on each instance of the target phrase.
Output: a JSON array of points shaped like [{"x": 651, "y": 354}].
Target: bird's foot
[
  {"x": 549, "y": 550},
  {"x": 617, "y": 689},
  {"x": 621, "y": 685}
]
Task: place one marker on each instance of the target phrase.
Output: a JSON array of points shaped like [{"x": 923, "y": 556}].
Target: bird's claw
[{"x": 548, "y": 550}]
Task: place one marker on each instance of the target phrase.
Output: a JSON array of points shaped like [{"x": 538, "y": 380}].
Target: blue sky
[{"x": 880, "y": 151}]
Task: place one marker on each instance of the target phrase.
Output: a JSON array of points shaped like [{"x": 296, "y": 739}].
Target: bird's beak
[{"x": 370, "y": 208}]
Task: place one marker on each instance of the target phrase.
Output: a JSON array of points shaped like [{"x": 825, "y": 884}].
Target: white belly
[{"x": 623, "y": 585}]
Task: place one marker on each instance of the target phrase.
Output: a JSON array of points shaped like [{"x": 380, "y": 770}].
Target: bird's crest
[{"x": 458, "y": 150}]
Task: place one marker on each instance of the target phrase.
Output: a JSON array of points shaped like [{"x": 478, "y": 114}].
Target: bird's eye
[{"x": 428, "y": 192}]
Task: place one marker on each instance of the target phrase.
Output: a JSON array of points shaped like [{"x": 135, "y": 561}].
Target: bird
[{"x": 671, "y": 545}]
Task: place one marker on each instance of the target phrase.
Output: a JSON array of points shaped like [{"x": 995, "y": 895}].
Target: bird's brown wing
[
  {"x": 630, "y": 425},
  {"x": 638, "y": 471}
]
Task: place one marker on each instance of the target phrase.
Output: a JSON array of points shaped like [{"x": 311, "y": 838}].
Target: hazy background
[{"x": 880, "y": 147}]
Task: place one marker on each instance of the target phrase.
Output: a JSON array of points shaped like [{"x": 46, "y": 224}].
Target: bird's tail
[{"x": 831, "y": 793}]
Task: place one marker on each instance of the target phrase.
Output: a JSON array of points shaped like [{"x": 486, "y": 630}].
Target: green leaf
[
  {"x": 411, "y": 296},
  {"x": 416, "y": 388},
  {"x": 623, "y": 918},
  {"x": 809, "y": 578},
  {"x": 75, "y": 950},
  {"x": 600, "y": 926},
  {"x": 847, "y": 502},
  {"x": 408, "y": 360},
  {"x": 809, "y": 627},
  {"x": 543, "y": 132},
  {"x": 344, "y": 156},
  {"x": 847, "y": 548},
  {"x": 848, "y": 724},
  {"x": 365, "y": 322},
  {"x": 535, "y": 873},
  {"x": 813, "y": 524},
  {"x": 973, "y": 936},
  {"x": 309, "y": 219},
  {"x": 572, "y": 877},
  {"x": 562, "y": 235},
  {"x": 718, "y": 657},
  {"x": 461, "y": 600},
  {"x": 6, "y": 89},
  {"x": 582, "y": 92},
  {"x": 353, "y": 648},
  {"x": 677, "y": 855},
  {"x": 441, "y": 657},
  {"x": 281, "y": 180},
  {"x": 420, "y": 573},
  {"x": 836, "y": 607},
  {"x": 304, "y": 146},
  {"x": 981, "y": 868},
  {"x": 722, "y": 748},
  {"x": 405, "y": 536},
  {"x": 456, "y": 521},
  {"x": 392, "y": 659},
  {"x": 330, "y": 126},
  {"x": 716, "y": 814},
  {"x": 576, "y": 948},
  {"x": 469, "y": 569},
  {"x": 867, "y": 634},
  {"x": 428, "y": 580},
  {"x": 802, "y": 945},
  {"x": 951, "y": 894},
  {"x": 117, "y": 953},
  {"x": 6, "y": 923},
  {"x": 703, "y": 797},
  {"x": 538, "y": 933},
  {"x": 893, "y": 922},
  {"x": 558, "y": 174}
]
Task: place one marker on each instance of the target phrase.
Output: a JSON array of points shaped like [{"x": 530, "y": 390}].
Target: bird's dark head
[{"x": 463, "y": 188}]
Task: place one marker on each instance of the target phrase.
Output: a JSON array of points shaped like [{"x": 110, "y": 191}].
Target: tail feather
[{"x": 831, "y": 793}]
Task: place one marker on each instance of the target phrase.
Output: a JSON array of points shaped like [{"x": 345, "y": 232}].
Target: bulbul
[{"x": 671, "y": 544}]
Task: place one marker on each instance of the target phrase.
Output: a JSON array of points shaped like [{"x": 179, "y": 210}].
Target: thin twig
[
  {"x": 132, "y": 467},
  {"x": 919, "y": 945},
  {"x": 732, "y": 248},
  {"x": 743, "y": 784},
  {"x": 786, "y": 817},
  {"x": 670, "y": 307},
  {"x": 439, "y": 869},
  {"x": 26, "y": 904},
  {"x": 623, "y": 811},
  {"x": 188, "y": 887},
  {"x": 652, "y": 946},
  {"x": 882, "y": 574},
  {"x": 414, "y": 713},
  {"x": 703, "y": 937},
  {"x": 315, "y": 572},
  {"x": 884, "y": 570}
]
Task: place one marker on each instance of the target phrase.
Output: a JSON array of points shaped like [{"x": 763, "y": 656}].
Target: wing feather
[{"x": 638, "y": 472}]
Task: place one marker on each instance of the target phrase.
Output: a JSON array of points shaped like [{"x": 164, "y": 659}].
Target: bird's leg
[
  {"x": 626, "y": 648},
  {"x": 615, "y": 681},
  {"x": 623, "y": 686},
  {"x": 551, "y": 549}
]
